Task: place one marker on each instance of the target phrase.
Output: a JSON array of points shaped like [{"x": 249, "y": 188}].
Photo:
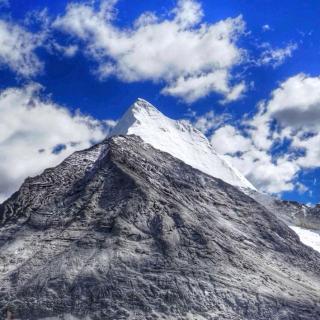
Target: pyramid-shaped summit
[{"x": 180, "y": 139}]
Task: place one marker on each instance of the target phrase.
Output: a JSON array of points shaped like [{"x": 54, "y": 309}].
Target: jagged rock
[{"x": 125, "y": 231}]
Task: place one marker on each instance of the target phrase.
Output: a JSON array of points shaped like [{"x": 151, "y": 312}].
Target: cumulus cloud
[
  {"x": 311, "y": 149},
  {"x": 296, "y": 106},
  {"x": 296, "y": 103},
  {"x": 276, "y": 56},
  {"x": 17, "y": 49},
  {"x": 191, "y": 58},
  {"x": 36, "y": 133},
  {"x": 283, "y": 138},
  {"x": 228, "y": 141},
  {"x": 266, "y": 173}
]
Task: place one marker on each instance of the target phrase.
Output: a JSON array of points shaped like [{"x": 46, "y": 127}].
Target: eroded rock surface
[{"x": 124, "y": 231}]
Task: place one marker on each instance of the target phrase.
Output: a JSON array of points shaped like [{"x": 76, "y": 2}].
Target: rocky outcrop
[{"x": 124, "y": 231}]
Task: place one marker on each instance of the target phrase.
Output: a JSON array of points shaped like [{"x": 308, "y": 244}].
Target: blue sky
[{"x": 246, "y": 73}]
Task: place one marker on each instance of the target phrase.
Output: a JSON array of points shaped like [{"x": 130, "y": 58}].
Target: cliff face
[{"x": 124, "y": 231}]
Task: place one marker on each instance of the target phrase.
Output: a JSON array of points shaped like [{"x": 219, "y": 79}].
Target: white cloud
[
  {"x": 291, "y": 114},
  {"x": 228, "y": 141},
  {"x": 296, "y": 103},
  {"x": 311, "y": 148},
  {"x": 265, "y": 173},
  {"x": 188, "y": 13},
  {"x": 190, "y": 57},
  {"x": 296, "y": 107},
  {"x": 235, "y": 93},
  {"x": 68, "y": 51},
  {"x": 209, "y": 121},
  {"x": 193, "y": 88},
  {"x": 266, "y": 27},
  {"x": 276, "y": 56},
  {"x": 256, "y": 164},
  {"x": 31, "y": 128},
  {"x": 302, "y": 188},
  {"x": 17, "y": 49}
]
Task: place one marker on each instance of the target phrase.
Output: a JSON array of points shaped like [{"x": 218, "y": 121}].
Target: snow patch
[{"x": 308, "y": 237}]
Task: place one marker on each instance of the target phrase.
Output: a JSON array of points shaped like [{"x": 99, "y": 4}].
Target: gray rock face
[
  {"x": 124, "y": 231},
  {"x": 290, "y": 212}
]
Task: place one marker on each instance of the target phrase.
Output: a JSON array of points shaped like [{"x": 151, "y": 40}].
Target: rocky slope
[
  {"x": 125, "y": 231},
  {"x": 303, "y": 219},
  {"x": 291, "y": 212}
]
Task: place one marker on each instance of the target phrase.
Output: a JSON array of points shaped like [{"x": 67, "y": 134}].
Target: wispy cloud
[
  {"x": 17, "y": 49},
  {"x": 266, "y": 27},
  {"x": 276, "y": 56}
]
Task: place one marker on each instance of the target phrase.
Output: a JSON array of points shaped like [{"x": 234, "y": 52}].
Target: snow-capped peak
[{"x": 180, "y": 139}]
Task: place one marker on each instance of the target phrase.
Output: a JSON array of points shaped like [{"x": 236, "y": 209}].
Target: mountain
[
  {"x": 178, "y": 138},
  {"x": 125, "y": 231},
  {"x": 188, "y": 144}
]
